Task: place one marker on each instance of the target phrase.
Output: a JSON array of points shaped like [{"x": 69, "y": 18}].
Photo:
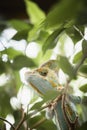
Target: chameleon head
[{"x": 42, "y": 79}]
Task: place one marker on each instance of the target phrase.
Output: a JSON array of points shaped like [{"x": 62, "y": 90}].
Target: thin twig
[
  {"x": 21, "y": 121},
  {"x": 25, "y": 117},
  {"x": 36, "y": 111},
  {"x": 38, "y": 123},
  {"x": 7, "y": 122}
]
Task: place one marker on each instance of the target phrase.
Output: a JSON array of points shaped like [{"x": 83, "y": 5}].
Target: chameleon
[{"x": 45, "y": 79}]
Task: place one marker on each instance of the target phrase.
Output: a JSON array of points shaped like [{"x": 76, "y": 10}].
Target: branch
[
  {"x": 2, "y": 119},
  {"x": 25, "y": 117},
  {"x": 36, "y": 111},
  {"x": 21, "y": 121},
  {"x": 38, "y": 123}
]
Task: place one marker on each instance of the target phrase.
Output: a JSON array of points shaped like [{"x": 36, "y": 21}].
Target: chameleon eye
[{"x": 43, "y": 72}]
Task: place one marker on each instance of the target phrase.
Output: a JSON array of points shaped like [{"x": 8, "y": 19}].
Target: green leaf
[
  {"x": 11, "y": 52},
  {"x": 48, "y": 125},
  {"x": 5, "y": 106},
  {"x": 77, "y": 57},
  {"x": 2, "y": 67},
  {"x": 83, "y": 88},
  {"x": 42, "y": 36},
  {"x": 34, "y": 12},
  {"x": 51, "y": 41},
  {"x": 62, "y": 12},
  {"x": 38, "y": 34},
  {"x": 19, "y": 24},
  {"x": 84, "y": 111},
  {"x": 82, "y": 15},
  {"x": 69, "y": 23},
  {"x": 45, "y": 125},
  {"x": 17, "y": 79},
  {"x": 65, "y": 65},
  {"x": 22, "y": 61},
  {"x": 74, "y": 34},
  {"x": 37, "y": 105},
  {"x": 84, "y": 47},
  {"x": 35, "y": 32},
  {"x": 83, "y": 126},
  {"x": 50, "y": 95},
  {"x": 39, "y": 60},
  {"x": 23, "y": 34},
  {"x": 83, "y": 69}
]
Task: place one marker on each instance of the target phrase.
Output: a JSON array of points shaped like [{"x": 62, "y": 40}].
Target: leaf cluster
[{"x": 66, "y": 20}]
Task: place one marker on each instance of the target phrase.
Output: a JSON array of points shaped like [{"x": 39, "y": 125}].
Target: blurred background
[
  {"x": 24, "y": 45},
  {"x": 16, "y": 8}
]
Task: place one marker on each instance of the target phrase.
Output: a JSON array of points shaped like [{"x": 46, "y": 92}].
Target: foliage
[{"x": 63, "y": 28}]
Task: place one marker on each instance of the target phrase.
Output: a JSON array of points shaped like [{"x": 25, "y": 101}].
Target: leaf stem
[
  {"x": 38, "y": 123},
  {"x": 77, "y": 29}
]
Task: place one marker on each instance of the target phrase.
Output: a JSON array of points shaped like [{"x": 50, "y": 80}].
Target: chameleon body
[
  {"x": 59, "y": 116},
  {"x": 44, "y": 79},
  {"x": 65, "y": 116}
]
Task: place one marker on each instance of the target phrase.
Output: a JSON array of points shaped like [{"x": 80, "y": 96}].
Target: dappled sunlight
[
  {"x": 85, "y": 36},
  {"x": 64, "y": 47},
  {"x": 22, "y": 74},
  {"x": 4, "y": 79},
  {"x": 32, "y": 49},
  {"x": 7, "y": 42},
  {"x": 8, "y": 33},
  {"x": 23, "y": 100},
  {"x": 11, "y": 119}
]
